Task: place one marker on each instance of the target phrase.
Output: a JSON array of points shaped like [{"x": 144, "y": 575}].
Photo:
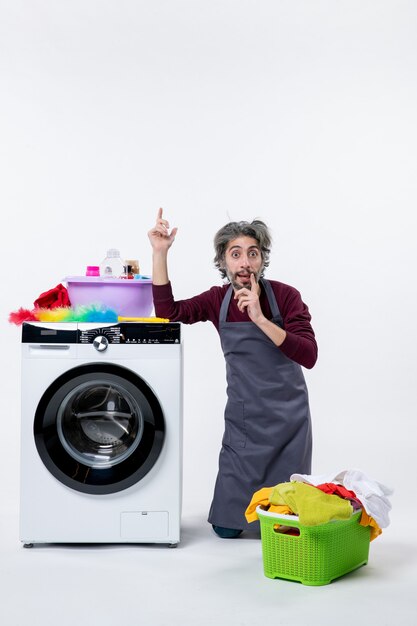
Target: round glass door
[
  {"x": 99, "y": 428},
  {"x": 100, "y": 423}
]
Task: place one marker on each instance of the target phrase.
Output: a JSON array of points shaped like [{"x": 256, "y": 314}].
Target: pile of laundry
[{"x": 323, "y": 498}]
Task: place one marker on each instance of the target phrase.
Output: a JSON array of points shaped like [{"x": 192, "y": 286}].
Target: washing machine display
[{"x": 101, "y": 438}]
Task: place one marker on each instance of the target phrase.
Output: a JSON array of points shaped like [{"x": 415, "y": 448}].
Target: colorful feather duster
[{"x": 81, "y": 313}]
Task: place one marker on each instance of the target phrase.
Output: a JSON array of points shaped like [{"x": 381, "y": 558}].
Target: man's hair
[{"x": 257, "y": 230}]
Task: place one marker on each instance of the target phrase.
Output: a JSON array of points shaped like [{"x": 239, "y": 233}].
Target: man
[{"x": 266, "y": 336}]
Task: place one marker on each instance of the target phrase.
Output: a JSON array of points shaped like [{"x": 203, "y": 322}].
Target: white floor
[{"x": 205, "y": 580}]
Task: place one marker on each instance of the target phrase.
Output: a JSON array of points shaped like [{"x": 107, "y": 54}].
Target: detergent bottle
[{"x": 112, "y": 266}]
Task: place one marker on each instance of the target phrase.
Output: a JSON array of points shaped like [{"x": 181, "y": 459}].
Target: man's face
[{"x": 243, "y": 258}]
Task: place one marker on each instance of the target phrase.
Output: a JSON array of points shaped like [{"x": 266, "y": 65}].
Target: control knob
[{"x": 100, "y": 343}]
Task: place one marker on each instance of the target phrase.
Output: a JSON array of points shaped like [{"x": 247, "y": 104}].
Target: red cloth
[
  {"x": 58, "y": 296},
  {"x": 339, "y": 490},
  {"x": 299, "y": 345}
]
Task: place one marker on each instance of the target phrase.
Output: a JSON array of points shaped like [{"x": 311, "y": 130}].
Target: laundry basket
[{"x": 313, "y": 555}]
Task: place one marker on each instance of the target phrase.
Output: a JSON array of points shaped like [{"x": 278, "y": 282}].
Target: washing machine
[{"x": 101, "y": 433}]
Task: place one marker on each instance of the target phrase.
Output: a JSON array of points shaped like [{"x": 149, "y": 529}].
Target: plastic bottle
[{"x": 112, "y": 266}]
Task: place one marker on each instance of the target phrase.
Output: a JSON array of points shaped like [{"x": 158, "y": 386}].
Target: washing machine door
[{"x": 99, "y": 428}]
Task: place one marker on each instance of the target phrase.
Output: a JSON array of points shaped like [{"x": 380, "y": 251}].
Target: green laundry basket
[{"x": 318, "y": 554}]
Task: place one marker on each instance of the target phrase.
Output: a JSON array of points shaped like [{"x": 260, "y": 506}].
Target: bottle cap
[{"x": 113, "y": 252}]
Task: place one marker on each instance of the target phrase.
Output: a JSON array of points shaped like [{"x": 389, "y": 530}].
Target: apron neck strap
[
  {"x": 273, "y": 305},
  {"x": 225, "y": 304}
]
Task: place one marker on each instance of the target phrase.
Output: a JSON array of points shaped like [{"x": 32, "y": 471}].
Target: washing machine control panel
[
  {"x": 130, "y": 333},
  {"x": 101, "y": 335}
]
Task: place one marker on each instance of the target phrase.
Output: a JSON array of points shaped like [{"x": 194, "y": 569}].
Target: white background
[{"x": 300, "y": 113}]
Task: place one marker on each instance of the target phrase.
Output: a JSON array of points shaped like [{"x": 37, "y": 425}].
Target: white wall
[{"x": 302, "y": 113}]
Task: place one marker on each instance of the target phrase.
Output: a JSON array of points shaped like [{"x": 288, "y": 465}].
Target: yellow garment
[
  {"x": 261, "y": 498},
  {"x": 282, "y": 509},
  {"x": 121, "y": 318},
  {"x": 312, "y": 505},
  {"x": 367, "y": 520}
]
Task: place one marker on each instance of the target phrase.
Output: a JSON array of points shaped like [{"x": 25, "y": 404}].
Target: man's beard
[{"x": 233, "y": 278}]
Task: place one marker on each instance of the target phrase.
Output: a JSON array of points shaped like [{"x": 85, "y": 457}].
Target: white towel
[{"x": 371, "y": 493}]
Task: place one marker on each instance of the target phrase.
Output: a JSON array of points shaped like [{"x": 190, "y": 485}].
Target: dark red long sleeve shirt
[{"x": 300, "y": 343}]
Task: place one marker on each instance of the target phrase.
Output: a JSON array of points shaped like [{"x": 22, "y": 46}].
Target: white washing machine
[{"x": 101, "y": 433}]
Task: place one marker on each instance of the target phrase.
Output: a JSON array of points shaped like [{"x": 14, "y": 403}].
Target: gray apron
[{"x": 267, "y": 433}]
